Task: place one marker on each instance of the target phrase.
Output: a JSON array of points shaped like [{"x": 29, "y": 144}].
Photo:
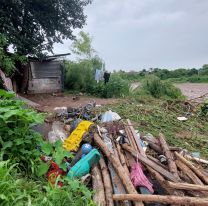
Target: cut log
[
  {"x": 99, "y": 196},
  {"x": 186, "y": 170},
  {"x": 106, "y": 183},
  {"x": 136, "y": 139},
  {"x": 170, "y": 159},
  {"x": 117, "y": 166},
  {"x": 186, "y": 186},
  {"x": 164, "y": 199},
  {"x": 191, "y": 166},
  {"x": 150, "y": 163}
]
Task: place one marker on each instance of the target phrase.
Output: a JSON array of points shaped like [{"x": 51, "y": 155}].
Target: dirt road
[{"x": 193, "y": 90}]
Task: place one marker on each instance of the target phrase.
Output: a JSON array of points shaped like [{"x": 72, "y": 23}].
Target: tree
[
  {"x": 33, "y": 26},
  {"x": 82, "y": 46}
]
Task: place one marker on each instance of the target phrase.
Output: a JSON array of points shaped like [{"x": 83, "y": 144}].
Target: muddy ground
[{"x": 48, "y": 102}]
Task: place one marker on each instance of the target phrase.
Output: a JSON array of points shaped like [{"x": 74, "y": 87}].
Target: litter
[
  {"x": 121, "y": 162},
  {"x": 182, "y": 118}
]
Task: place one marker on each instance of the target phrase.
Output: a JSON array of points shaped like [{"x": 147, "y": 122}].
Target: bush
[
  {"x": 17, "y": 139},
  {"x": 15, "y": 190},
  {"x": 157, "y": 88}
]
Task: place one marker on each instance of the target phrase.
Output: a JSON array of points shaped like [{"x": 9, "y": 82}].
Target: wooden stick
[
  {"x": 186, "y": 186},
  {"x": 131, "y": 139},
  {"x": 122, "y": 158},
  {"x": 99, "y": 196},
  {"x": 171, "y": 164},
  {"x": 163, "y": 199},
  {"x": 107, "y": 183},
  {"x": 136, "y": 139},
  {"x": 191, "y": 166},
  {"x": 186, "y": 170},
  {"x": 157, "y": 162},
  {"x": 150, "y": 163},
  {"x": 117, "y": 166}
]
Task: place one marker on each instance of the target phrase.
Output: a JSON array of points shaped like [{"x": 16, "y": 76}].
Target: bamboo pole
[
  {"x": 99, "y": 196},
  {"x": 164, "y": 199},
  {"x": 192, "y": 167},
  {"x": 170, "y": 159},
  {"x": 106, "y": 183},
  {"x": 117, "y": 166},
  {"x": 150, "y": 163}
]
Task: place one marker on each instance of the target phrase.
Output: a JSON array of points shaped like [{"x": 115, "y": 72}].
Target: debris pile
[{"x": 124, "y": 167}]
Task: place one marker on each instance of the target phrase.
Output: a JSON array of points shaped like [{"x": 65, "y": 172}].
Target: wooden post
[
  {"x": 191, "y": 166},
  {"x": 186, "y": 186},
  {"x": 150, "y": 163},
  {"x": 164, "y": 199},
  {"x": 170, "y": 159},
  {"x": 99, "y": 196},
  {"x": 186, "y": 170},
  {"x": 117, "y": 166},
  {"x": 107, "y": 183},
  {"x": 136, "y": 139}
]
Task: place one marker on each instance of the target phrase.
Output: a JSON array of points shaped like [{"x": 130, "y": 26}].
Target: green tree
[
  {"x": 82, "y": 46},
  {"x": 33, "y": 26}
]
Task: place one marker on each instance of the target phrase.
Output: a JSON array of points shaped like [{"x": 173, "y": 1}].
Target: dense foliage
[
  {"x": 80, "y": 74},
  {"x": 16, "y": 190},
  {"x": 178, "y": 75},
  {"x": 17, "y": 139},
  {"x": 152, "y": 85},
  {"x": 33, "y": 26},
  {"x": 7, "y": 61}
]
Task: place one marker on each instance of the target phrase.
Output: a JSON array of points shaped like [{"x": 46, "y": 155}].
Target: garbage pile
[{"x": 124, "y": 167}]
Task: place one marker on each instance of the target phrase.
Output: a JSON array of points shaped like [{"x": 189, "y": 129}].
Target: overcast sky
[{"x": 138, "y": 34}]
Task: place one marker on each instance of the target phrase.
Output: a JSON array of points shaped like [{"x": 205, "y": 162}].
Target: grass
[{"x": 151, "y": 115}]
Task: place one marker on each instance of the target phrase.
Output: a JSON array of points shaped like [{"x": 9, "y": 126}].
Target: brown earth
[
  {"x": 48, "y": 102},
  {"x": 193, "y": 90}
]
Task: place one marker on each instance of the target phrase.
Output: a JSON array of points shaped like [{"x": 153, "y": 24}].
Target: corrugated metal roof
[{"x": 41, "y": 70}]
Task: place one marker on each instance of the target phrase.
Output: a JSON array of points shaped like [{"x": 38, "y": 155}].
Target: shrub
[
  {"x": 15, "y": 190},
  {"x": 17, "y": 139},
  {"x": 157, "y": 88}
]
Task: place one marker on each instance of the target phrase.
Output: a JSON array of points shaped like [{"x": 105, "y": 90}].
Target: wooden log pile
[{"x": 180, "y": 181}]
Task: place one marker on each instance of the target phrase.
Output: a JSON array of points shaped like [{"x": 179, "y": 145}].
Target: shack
[{"x": 40, "y": 76}]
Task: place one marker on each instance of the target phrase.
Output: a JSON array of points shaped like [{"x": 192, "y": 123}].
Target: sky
[{"x": 142, "y": 34}]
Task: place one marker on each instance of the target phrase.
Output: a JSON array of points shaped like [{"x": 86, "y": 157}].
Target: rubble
[{"x": 122, "y": 166}]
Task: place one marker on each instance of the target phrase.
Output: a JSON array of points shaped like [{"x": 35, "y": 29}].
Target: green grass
[{"x": 151, "y": 115}]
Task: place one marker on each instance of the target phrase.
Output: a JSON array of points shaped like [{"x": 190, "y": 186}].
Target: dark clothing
[{"x": 106, "y": 77}]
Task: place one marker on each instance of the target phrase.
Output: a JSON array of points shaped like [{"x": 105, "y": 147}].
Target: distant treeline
[{"x": 177, "y": 75}]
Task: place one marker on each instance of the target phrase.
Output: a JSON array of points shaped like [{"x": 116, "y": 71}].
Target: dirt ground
[
  {"x": 48, "y": 102},
  {"x": 193, "y": 90}
]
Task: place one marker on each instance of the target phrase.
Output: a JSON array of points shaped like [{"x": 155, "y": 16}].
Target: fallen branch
[{"x": 163, "y": 199}]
